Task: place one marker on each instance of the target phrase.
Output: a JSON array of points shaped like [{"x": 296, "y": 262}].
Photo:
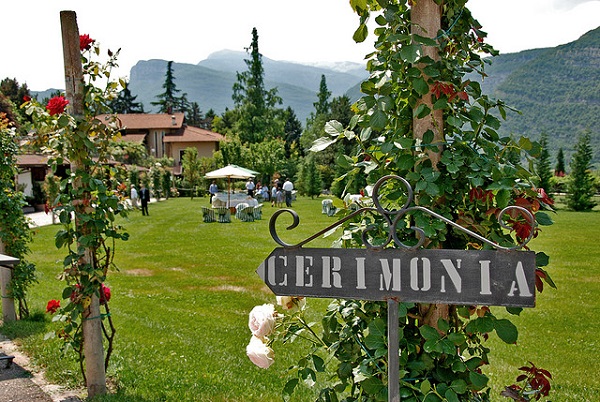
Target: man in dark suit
[{"x": 144, "y": 198}]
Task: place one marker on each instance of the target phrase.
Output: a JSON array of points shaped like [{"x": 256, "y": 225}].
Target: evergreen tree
[
  {"x": 183, "y": 105},
  {"x": 194, "y": 116},
  {"x": 341, "y": 110},
  {"x": 257, "y": 116},
  {"x": 12, "y": 95},
  {"x": 581, "y": 183},
  {"x": 293, "y": 131},
  {"x": 322, "y": 105},
  {"x": 192, "y": 169},
  {"x": 125, "y": 103},
  {"x": 310, "y": 177},
  {"x": 560, "y": 163},
  {"x": 543, "y": 168},
  {"x": 14, "y": 91},
  {"x": 168, "y": 101}
]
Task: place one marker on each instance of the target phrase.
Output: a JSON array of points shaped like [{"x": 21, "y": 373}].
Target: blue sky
[{"x": 304, "y": 31}]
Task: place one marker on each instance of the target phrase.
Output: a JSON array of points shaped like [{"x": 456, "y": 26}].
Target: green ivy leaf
[
  {"x": 451, "y": 396},
  {"x": 308, "y": 376},
  {"x": 541, "y": 259},
  {"x": 373, "y": 385},
  {"x": 378, "y": 120},
  {"x": 422, "y": 111},
  {"x": 319, "y": 363},
  {"x": 506, "y": 331},
  {"x": 543, "y": 219},
  {"x": 420, "y": 85},
  {"x": 409, "y": 53},
  {"x": 478, "y": 380},
  {"x": 405, "y": 162},
  {"x": 288, "y": 389},
  {"x": 454, "y": 121},
  {"x": 361, "y": 33},
  {"x": 429, "y": 332}
]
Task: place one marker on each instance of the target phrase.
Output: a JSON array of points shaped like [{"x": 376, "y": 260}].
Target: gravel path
[{"x": 21, "y": 383}]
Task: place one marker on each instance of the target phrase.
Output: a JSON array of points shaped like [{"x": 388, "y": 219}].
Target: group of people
[
  {"x": 143, "y": 197},
  {"x": 280, "y": 191}
]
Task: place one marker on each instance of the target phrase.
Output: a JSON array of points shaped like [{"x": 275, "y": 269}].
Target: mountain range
[
  {"x": 210, "y": 82},
  {"x": 556, "y": 90}
]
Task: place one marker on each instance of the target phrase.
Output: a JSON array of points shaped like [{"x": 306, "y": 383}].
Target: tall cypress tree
[
  {"x": 322, "y": 105},
  {"x": 257, "y": 117},
  {"x": 168, "y": 101},
  {"x": 560, "y": 163},
  {"x": 581, "y": 183},
  {"x": 543, "y": 164}
]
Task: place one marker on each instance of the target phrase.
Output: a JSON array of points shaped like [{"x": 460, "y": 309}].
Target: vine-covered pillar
[
  {"x": 426, "y": 20},
  {"x": 8, "y": 303},
  {"x": 92, "y": 325}
]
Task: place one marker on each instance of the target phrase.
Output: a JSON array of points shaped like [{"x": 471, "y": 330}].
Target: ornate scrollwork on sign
[{"x": 393, "y": 217}]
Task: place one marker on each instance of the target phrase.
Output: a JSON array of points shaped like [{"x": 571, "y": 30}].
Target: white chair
[
  {"x": 208, "y": 215},
  {"x": 326, "y": 206},
  {"x": 224, "y": 215},
  {"x": 257, "y": 212}
]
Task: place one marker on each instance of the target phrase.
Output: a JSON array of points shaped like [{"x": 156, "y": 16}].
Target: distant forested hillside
[{"x": 557, "y": 90}]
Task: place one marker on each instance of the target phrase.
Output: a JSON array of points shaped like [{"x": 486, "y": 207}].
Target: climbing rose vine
[
  {"x": 466, "y": 172},
  {"x": 90, "y": 200}
]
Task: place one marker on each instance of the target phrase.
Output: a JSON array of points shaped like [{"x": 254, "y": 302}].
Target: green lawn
[{"x": 184, "y": 289}]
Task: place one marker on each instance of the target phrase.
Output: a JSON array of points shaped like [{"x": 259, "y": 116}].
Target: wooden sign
[{"x": 464, "y": 277}]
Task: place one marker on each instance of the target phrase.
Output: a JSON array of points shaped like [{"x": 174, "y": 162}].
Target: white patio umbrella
[{"x": 231, "y": 172}]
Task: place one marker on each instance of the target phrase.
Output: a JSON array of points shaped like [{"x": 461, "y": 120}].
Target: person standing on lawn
[
  {"x": 288, "y": 187},
  {"x": 213, "y": 190},
  {"x": 134, "y": 197},
  {"x": 145, "y": 199},
  {"x": 250, "y": 187}
]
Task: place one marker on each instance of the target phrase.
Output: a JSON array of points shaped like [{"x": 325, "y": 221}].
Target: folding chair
[
  {"x": 257, "y": 212},
  {"x": 208, "y": 215},
  {"x": 224, "y": 214}
]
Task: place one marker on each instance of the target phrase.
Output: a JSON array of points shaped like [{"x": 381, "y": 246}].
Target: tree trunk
[
  {"x": 426, "y": 19},
  {"x": 92, "y": 326}
]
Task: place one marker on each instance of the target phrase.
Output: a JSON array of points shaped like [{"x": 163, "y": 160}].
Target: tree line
[{"x": 264, "y": 136}]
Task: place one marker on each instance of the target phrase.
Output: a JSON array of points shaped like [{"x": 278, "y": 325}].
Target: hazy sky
[{"x": 305, "y": 31}]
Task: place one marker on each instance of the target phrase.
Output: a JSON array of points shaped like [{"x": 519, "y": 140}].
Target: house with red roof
[{"x": 167, "y": 135}]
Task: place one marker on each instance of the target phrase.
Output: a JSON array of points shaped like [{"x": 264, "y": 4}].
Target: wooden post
[
  {"x": 426, "y": 20},
  {"x": 92, "y": 325},
  {"x": 8, "y": 303}
]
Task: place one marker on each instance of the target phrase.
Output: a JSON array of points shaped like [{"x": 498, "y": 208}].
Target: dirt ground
[{"x": 22, "y": 382}]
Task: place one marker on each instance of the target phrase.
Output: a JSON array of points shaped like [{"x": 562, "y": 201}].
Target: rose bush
[{"x": 89, "y": 201}]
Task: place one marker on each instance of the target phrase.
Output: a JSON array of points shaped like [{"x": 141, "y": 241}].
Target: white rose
[
  {"x": 259, "y": 353},
  {"x": 261, "y": 320}
]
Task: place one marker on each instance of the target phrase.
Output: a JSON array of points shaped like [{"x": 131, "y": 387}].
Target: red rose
[
  {"x": 52, "y": 306},
  {"x": 85, "y": 42},
  {"x": 104, "y": 294},
  {"x": 26, "y": 98},
  {"x": 57, "y": 105}
]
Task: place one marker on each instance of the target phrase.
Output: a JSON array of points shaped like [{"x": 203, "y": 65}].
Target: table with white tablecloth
[{"x": 221, "y": 200}]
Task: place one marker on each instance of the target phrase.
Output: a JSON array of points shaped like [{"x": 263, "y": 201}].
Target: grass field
[{"x": 184, "y": 289}]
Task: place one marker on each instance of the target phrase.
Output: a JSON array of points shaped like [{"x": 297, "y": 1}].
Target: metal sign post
[{"x": 500, "y": 277}]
